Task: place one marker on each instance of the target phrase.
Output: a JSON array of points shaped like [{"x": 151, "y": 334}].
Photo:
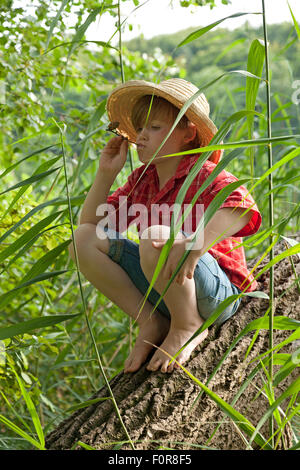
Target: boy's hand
[
  {"x": 175, "y": 254},
  {"x": 113, "y": 156}
]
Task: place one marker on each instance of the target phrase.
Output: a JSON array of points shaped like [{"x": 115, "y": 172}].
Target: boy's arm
[
  {"x": 112, "y": 160},
  {"x": 225, "y": 223},
  {"x": 97, "y": 195}
]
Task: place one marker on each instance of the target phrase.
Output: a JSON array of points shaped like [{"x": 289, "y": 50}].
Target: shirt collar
[{"x": 183, "y": 168}]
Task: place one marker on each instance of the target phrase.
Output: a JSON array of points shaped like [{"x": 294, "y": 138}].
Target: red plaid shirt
[{"x": 146, "y": 192}]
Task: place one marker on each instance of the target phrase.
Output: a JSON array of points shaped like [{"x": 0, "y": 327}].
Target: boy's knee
[
  {"x": 81, "y": 236},
  {"x": 156, "y": 232}
]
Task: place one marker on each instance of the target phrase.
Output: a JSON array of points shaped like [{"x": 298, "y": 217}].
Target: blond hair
[{"x": 162, "y": 108}]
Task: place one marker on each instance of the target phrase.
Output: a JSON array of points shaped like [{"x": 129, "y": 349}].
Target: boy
[{"x": 121, "y": 269}]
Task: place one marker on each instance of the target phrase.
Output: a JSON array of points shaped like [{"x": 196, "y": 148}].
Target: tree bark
[{"x": 165, "y": 409}]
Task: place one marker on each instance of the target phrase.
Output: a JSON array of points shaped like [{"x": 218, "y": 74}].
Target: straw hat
[{"x": 177, "y": 91}]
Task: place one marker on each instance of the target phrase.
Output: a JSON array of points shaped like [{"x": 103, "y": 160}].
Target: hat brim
[{"x": 123, "y": 98}]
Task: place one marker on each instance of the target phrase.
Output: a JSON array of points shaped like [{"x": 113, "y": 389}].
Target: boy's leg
[
  {"x": 112, "y": 281},
  {"x": 181, "y": 301}
]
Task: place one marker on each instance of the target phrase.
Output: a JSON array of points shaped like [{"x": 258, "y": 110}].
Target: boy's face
[{"x": 151, "y": 136}]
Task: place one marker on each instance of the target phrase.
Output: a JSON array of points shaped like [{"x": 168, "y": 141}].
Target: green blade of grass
[
  {"x": 84, "y": 404},
  {"x": 40, "y": 173},
  {"x": 280, "y": 323},
  {"x": 84, "y": 445},
  {"x": 8, "y": 296},
  {"x": 14, "y": 411},
  {"x": 256, "y": 58},
  {"x": 76, "y": 200},
  {"x": 228, "y": 48},
  {"x": 37, "y": 269},
  {"x": 48, "y": 127},
  {"x": 240, "y": 420},
  {"x": 211, "y": 210},
  {"x": 84, "y": 26},
  {"x": 239, "y": 144},
  {"x": 200, "y": 32},
  {"x": 36, "y": 152},
  {"x": 293, "y": 337},
  {"x": 70, "y": 43},
  {"x": 28, "y": 235},
  {"x": 224, "y": 129},
  {"x": 34, "y": 324},
  {"x": 20, "y": 432},
  {"x": 292, "y": 389},
  {"x": 289, "y": 365},
  {"x": 222, "y": 132},
  {"x": 297, "y": 28},
  {"x": 45, "y": 261},
  {"x": 25, "y": 249},
  {"x": 55, "y": 21},
  {"x": 31, "y": 180},
  {"x": 31, "y": 408}
]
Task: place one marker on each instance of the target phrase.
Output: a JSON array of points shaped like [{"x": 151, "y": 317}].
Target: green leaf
[
  {"x": 85, "y": 446},
  {"x": 240, "y": 144},
  {"x": 36, "y": 152},
  {"x": 31, "y": 180},
  {"x": 224, "y": 129},
  {"x": 55, "y": 21},
  {"x": 43, "y": 263},
  {"x": 240, "y": 420},
  {"x": 30, "y": 234},
  {"x": 292, "y": 389},
  {"x": 69, "y": 43},
  {"x": 8, "y": 296},
  {"x": 228, "y": 48},
  {"x": 75, "y": 362},
  {"x": 297, "y": 28},
  {"x": 55, "y": 202},
  {"x": 280, "y": 323},
  {"x": 37, "y": 269},
  {"x": 200, "y": 32},
  {"x": 29, "y": 137},
  {"x": 256, "y": 58},
  {"x": 34, "y": 324},
  {"x": 289, "y": 365},
  {"x": 31, "y": 408},
  {"x": 20, "y": 432},
  {"x": 84, "y": 404},
  {"x": 291, "y": 241},
  {"x": 83, "y": 27}
]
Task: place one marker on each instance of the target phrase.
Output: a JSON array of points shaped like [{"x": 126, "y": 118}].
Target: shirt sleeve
[
  {"x": 121, "y": 200},
  {"x": 238, "y": 198}
]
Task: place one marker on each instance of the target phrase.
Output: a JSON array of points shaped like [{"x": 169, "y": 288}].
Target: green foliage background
[{"x": 51, "y": 79}]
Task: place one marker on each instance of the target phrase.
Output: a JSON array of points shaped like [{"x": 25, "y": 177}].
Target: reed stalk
[
  {"x": 82, "y": 296},
  {"x": 271, "y": 206},
  {"x": 129, "y": 150}
]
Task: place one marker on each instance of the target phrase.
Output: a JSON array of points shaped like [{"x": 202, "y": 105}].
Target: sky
[{"x": 157, "y": 17}]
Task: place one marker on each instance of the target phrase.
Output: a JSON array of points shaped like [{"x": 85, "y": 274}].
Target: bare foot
[
  {"x": 176, "y": 338},
  {"x": 154, "y": 330}
]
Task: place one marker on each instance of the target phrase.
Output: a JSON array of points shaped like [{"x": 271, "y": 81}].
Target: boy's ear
[{"x": 190, "y": 133}]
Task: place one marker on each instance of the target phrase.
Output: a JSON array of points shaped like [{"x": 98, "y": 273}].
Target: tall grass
[{"x": 79, "y": 351}]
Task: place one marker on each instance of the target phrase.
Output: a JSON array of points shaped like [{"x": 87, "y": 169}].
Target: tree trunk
[{"x": 158, "y": 408}]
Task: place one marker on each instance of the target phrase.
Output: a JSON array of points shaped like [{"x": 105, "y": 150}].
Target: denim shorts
[{"x": 211, "y": 282}]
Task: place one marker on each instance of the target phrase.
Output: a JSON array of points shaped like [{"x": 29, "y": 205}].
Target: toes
[
  {"x": 160, "y": 363},
  {"x": 166, "y": 367},
  {"x": 137, "y": 357},
  {"x": 154, "y": 364},
  {"x": 127, "y": 365},
  {"x": 134, "y": 364},
  {"x": 171, "y": 367}
]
